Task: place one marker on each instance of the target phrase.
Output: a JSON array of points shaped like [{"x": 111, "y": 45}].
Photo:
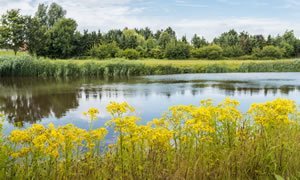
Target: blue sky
[{"x": 208, "y": 18}]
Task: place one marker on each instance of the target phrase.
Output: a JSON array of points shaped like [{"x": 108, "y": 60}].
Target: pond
[{"x": 30, "y": 100}]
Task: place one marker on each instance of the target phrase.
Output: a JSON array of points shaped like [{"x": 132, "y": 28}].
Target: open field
[{"x": 28, "y": 66}]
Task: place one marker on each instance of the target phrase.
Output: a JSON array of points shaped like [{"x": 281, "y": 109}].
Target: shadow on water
[{"x": 28, "y": 100}]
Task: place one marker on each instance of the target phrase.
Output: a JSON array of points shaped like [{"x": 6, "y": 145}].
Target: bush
[
  {"x": 233, "y": 51},
  {"x": 156, "y": 53},
  {"x": 177, "y": 50},
  {"x": 208, "y": 52},
  {"x": 288, "y": 50},
  {"x": 130, "y": 54},
  {"x": 104, "y": 51},
  {"x": 268, "y": 52}
]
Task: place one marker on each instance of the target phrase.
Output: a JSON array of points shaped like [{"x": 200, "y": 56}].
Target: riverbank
[{"x": 28, "y": 66}]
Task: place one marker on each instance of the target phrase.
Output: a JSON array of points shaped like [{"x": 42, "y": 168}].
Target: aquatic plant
[{"x": 28, "y": 66}]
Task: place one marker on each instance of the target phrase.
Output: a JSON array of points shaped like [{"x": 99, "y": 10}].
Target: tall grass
[
  {"x": 28, "y": 66},
  {"x": 188, "y": 142}
]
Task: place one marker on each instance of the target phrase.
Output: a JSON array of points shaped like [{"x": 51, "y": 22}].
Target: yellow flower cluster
[
  {"x": 51, "y": 141},
  {"x": 92, "y": 113},
  {"x": 117, "y": 109},
  {"x": 186, "y": 134},
  {"x": 274, "y": 113}
]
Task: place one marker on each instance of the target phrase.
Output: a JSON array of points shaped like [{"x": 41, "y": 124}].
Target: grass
[
  {"x": 188, "y": 142},
  {"x": 28, "y": 66}
]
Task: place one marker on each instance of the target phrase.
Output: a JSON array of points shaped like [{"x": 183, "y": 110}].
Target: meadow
[
  {"x": 29, "y": 66},
  {"x": 188, "y": 142}
]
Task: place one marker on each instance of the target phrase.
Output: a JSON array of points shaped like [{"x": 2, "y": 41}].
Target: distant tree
[
  {"x": 130, "y": 54},
  {"x": 145, "y": 32},
  {"x": 208, "y": 52},
  {"x": 131, "y": 39},
  {"x": 171, "y": 32},
  {"x": 42, "y": 14},
  {"x": 61, "y": 35},
  {"x": 198, "y": 42},
  {"x": 269, "y": 52},
  {"x": 55, "y": 13},
  {"x": 177, "y": 50},
  {"x": 184, "y": 40},
  {"x": 258, "y": 41},
  {"x": 164, "y": 39},
  {"x": 12, "y": 30},
  {"x": 157, "y": 34},
  {"x": 36, "y": 36},
  {"x": 105, "y": 51},
  {"x": 245, "y": 42},
  {"x": 229, "y": 38},
  {"x": 114, "y": 35},
  {"x": 233, "y": 51}
]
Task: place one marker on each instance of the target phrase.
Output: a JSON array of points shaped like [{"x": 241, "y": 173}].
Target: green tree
[
  {"x": 198, "y": 42},
  {"x": 36, "y": 36},
  {"x": 130, "y": 54},
  {"x": 105, "y": 51},
  {"x": 12, "y": 30},
  {"x": 55, "y": 13},
  {"x": 272, "y": 52},
  {"x": 164, "y": 39},
  {"x": 177, "y": 50},
  {"x": 229, "y": 38},
  {"x": 42, "y": 14},
  {"x": 61, "y": 37},
  {"x": 131, "y": 39},
  {"x": 208, "y": 52}
]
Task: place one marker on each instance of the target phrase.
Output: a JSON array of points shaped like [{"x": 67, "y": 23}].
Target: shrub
[
  {"x": 130, "y": 54},
  {"x": 177, "y": 50},
  {"x": 142, "y": 51},
  {"x": 209, "y": 52},
  {"x": 288, "y": 50},
  {"x": 268, "y": 52},
  {"x": 156, "y": 53},
  {"x": 232, "y": 51},
  {"x": 104, "y": 51}
]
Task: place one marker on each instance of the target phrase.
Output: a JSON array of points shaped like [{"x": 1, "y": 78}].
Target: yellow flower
[{"x": 92, "y": 113}]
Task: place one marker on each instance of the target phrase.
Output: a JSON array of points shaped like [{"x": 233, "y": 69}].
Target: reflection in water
[{"x": 28, "y": 100}]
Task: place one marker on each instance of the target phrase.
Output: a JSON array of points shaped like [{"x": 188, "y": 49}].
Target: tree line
[{"x": 49, "y": 33}]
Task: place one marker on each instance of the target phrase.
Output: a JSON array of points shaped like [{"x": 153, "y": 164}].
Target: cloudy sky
[{"x": 208, "y": 18}]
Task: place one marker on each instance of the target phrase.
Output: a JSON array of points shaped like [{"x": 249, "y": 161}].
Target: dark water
[{"x": 62, "y": 101}]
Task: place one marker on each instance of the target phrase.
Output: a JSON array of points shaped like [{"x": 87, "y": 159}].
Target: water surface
[{"x": 29, "y": 100}]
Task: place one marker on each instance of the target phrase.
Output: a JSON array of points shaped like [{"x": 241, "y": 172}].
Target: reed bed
[{"x": 28, "y": 66}]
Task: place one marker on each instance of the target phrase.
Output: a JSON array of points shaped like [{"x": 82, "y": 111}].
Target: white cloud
[{"x": 112, "y": 14}]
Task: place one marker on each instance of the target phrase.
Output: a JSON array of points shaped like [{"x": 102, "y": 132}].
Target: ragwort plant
[{"x": 188, "y": 142}]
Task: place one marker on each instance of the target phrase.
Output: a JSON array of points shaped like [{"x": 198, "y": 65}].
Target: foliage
[
  {"x": 269, "y": 52},
  {"x": 156, "y": 53},
  {"x": 105, "y": 51},
  {"x": 208, "y": 52},
  {"x": 45, "y": 35},
  {"x": 188, "y": 142},
  {"x": 198, "y": 42},
  {"x": 12, "y": 28},
  {"x": 28, "y": 66},
  {"x": 177, "y": 50},
  {"x": 130, "y": 54},
  {"x": 232, "y": 51}
]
